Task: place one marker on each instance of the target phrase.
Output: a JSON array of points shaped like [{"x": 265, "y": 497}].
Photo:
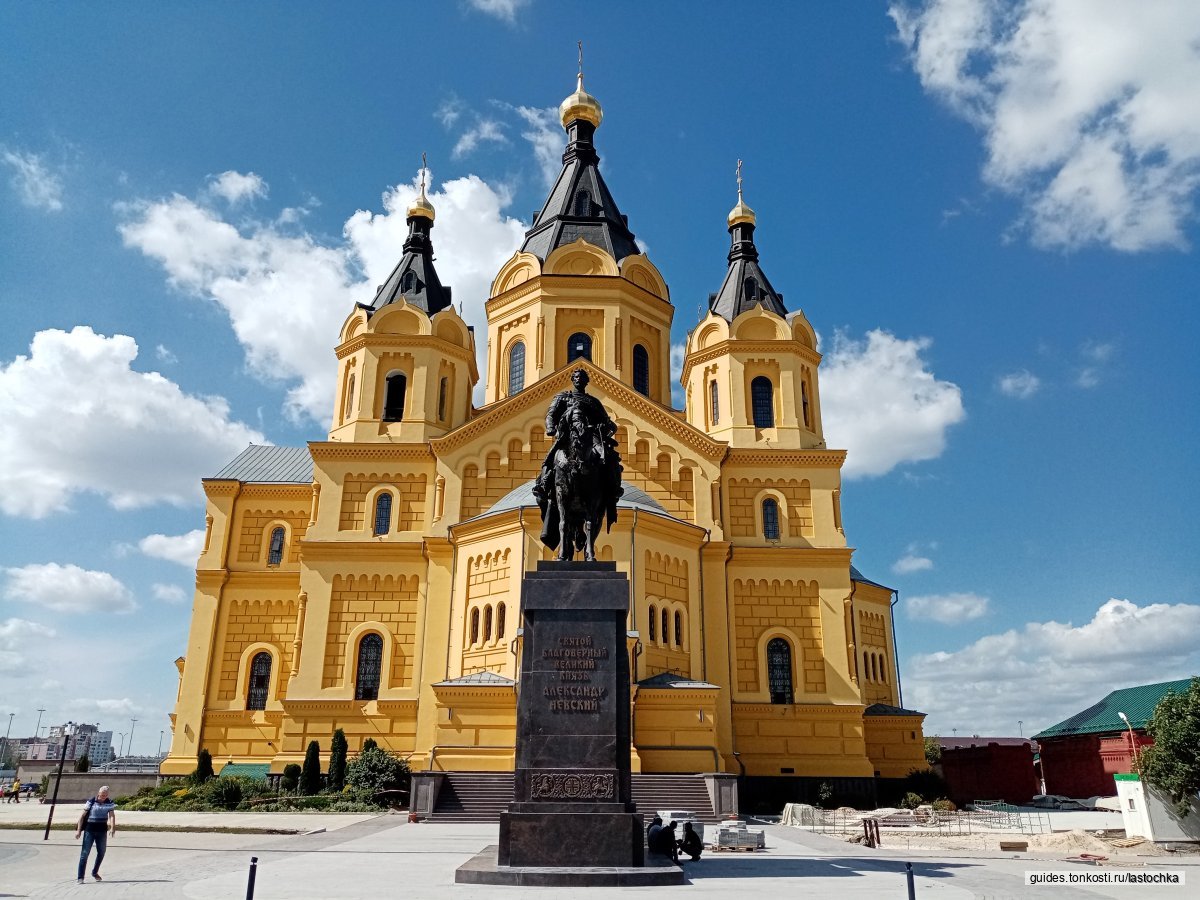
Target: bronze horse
[{"x": 579, "y": 470}]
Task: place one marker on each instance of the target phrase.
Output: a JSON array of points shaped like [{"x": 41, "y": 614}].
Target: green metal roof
[
  {"x": 257, "y": 771},
  {"x": 1136, "y": 702}
]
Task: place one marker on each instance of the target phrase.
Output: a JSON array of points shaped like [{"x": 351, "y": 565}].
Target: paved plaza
[{"x": 385, "y": 856}]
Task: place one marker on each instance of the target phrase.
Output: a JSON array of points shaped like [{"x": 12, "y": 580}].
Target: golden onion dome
[
  {"x": 581, "y": 105},
  {"x": 421, "y": 206},
  {"x": 741, "y": 214}
]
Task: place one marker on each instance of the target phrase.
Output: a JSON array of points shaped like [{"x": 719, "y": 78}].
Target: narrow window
[
  {"x": 260, "y": 681},
  {"x": 370, "y": 661},
  {"x": 443, "y": 387},
  {"x": 874, "y": 669},
  {"x": 641, "y": 370},
  {"x": 750, "y": 288},
  {"x": 349, "y": 397},
  {"x": 383, "y": 513},
  {"x": 393, "y": 403},
  {"x": 409, "y": 283},
  {"x": 487, "y": 623},
  {"x": 653, "y": 622},
  {"x": 882, "y": 669},
  {"x": 666, "y": 633},
  {"x": 679, "y": 630},
  {"x": 583, "y": 203},
  {"x": 500, "y": 621},
  {"x": 579, "y": 346},
  {"x": 714, "y": 398},
  {"x": 866, "y": 666},
  {"x": 804, "y": 402},
  {"x": 762, "y": 401},
  {"x": 770, "y": 514},
  {"x": 779, "y": 670},
  {"x": 275, "y": 553},
  {"x": 516, "y": 368},
  {"x": 474, "y": 627}
]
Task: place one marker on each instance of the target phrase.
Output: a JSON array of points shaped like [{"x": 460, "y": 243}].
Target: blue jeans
[{"x": 100, "y": 839}]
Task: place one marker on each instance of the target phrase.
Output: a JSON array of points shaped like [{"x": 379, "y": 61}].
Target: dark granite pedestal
[{"x": 572, "y": 820}]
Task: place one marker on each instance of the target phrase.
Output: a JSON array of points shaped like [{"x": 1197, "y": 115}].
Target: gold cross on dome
[
  {"x": 580, "y": 43},
  {"x": 424, "y": 166},
  {"x": 739, "y": 179}
]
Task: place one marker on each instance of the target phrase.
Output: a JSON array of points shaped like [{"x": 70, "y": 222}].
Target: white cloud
[
  {"x": 1090, "y": 109},
  {"x": 36, "y": 185},
  {"x": 882, "y": 404},
  {"x": 449, "y": 111},
  {"x": 1046, "y": 671},
  {"x": 168, "y": 593},
  {"x": 1095, "y": 355},
  {"x": 67, "y": 589},
  {"x": 17, "y": 635},
  {"x": 163, "y": 354},
  {"x": 485, "y": 131},
  {"x": 182, "y": 549},
  {"x": 545, "y": 135},
  {"x": 505, "y": 10},
  {"x": 1022, "y": 384},
  {"x": 261, "y": 276},
  {"x": 74, "y": 416},
  {"x": 949, "y": 609},
  {"x": 235, "y": 187},
  {"x": 910, "y": 563}
]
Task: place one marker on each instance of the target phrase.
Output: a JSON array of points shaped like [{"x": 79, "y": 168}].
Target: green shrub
[
  {"x": 225, "y": 793},
  {"x": 310, "y": 773},
  {"x": 290, "y": 778},
  {"x": 944, "y": 805},
  {"x": 376, "y": 770},
  {"x": 911, "y": 800},
  {"x": 204, "y": 767},
  {"x": 369, "y": 744},
  {"x": 337, "y": 761},
  {"x": 925, "y": 782}
]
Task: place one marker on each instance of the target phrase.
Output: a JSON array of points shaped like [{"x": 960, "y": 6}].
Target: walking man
[{"x": 98, "y": 821}]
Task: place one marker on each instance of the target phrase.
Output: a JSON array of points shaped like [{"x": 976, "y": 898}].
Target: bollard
[
  {"x": 253, "y": 871},
  {"x": 912, "y": 886}
]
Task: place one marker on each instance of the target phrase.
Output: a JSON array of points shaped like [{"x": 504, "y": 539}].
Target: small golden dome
[
  {"x": 581, "y": 105},
  {"x": 740, "y": 214},
  {"x": 421, "y": 206}
]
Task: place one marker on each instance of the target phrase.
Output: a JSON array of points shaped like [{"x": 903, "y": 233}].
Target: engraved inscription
[
  {"x": 571, "y": 786},
  {"x": 574, "y": 659}
]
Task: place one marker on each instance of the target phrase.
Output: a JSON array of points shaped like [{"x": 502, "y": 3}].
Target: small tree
[
  {"x": 204, "y": 768},
  {"x": 337, "y": 761},
  {"x": 933, "y": 750},
  {"x": 1172, "y": 765},
  {"x": 291, "y": 777},
  {"x": 310, "y": 774},
  {"x": 377, "y": 770},
  {"x": 83, "y": 763}
]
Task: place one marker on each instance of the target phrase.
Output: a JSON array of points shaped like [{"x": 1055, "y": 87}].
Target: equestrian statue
[{"x": 580, "y": 481}]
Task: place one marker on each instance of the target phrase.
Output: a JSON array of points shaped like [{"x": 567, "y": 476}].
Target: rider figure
[{"x": 580, "y": 405}]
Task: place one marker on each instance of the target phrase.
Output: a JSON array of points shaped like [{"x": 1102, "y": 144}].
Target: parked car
[{"x": 1057, "y": 801}]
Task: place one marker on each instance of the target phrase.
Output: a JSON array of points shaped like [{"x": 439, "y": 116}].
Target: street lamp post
[
  {"x": 62, "y": 758},
  {"x": 1020, "y": 727},
  {"x": 1133, "y": 754},
  {"x": 121, "y": 745},
  {"x": 41, "y": 709},
  {"x": 160, "y": 737},
  {"x": 4, "y": 759},
  {"x": 132, "y": 725}
]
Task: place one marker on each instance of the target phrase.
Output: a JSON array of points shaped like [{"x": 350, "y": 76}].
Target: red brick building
[{"x": 989, "y": 768}]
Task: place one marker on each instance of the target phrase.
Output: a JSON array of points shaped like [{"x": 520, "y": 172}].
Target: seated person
[
  {"x": 690, "y": 842},
  {"x": 652, "y": 839},
  {"x": 665, "y": 842}
]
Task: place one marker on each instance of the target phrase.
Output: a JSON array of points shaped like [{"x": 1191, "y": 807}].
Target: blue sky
[{"x": 990, "y": 220}]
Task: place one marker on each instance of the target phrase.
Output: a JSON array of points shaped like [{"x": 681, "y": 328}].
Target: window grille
[
  {"x": 779, "y": 670},
  {"x": 770, "y": 514},
  {"x": 762, "y": 401},
  {"x": 474, "y": 627},
  {"x": 714, "y": 396},
  {"x": 641, "y": 370},
  {"x": 500, "y": 621},
  {"x": 679, "y": 630},
  {"x": 383, "y": 513},
  {"x": 516, "y": 368},
  {"x": 487, "y": 624},
  {"x": 370, "y": 663},
  {"x": 653, "y": 622},
  {"x": 260, "y": 681},
  {"x": 579, "y": 346},
  {"x": 275, "y": 553}
]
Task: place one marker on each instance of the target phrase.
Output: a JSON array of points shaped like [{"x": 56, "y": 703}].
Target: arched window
[
  {"x": 641, "y": 370},
  {"x": 666, "y": 630},
  {"x": 874, "y": 669},
  {"x": 750, "y": 288},
  {"x": 383, "y": 513},
  {"x": 500, "y": 621},
  {"x": 653, "y": 622},
  {"x": 579, "y": 345},
  {"x": 804, "y": 402},
  {"x": 349, "y": 397},
  {"x": 882, "y": 669},
  {"x": 779, "y": 670},
  {"x": 679, "y": 630},
  {"x": 409, "y": 283},
  {"x": 866, "y": 666},
  {"x": 770, "y": 514},
  {"x": 583, "y": 203},
  {"x": 370, "y": 662},
  {"x": 714, "y": 401},
  {"x": 762, "y": 401},
  {"x": 275, "y": 551},
  {"x": 474, "y": 627},
  {"x": 260, "y": 681},
  {"x": 443, "y": 388},
  {"x": 393, "y": 403},
  {"x": 487, "y": 623},
  {"x": 516, "y": 368}
]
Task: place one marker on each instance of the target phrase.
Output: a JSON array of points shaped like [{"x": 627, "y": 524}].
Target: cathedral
[{"x": 371, "y": 581}]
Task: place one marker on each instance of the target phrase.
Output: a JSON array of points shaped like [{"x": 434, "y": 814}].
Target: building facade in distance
[{"x": 371, "y": 581}]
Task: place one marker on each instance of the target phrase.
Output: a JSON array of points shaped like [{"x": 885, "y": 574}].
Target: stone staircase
[{"x": 482, "y": 796}]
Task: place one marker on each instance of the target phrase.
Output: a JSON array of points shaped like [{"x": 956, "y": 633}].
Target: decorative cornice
[
  {"x": 241, "y": 716},
  {"x": 268, "y": 578},
  {"x": 300, "y": 492},
  {"x": 828, "y": 459},
  {"x": 730, "y": 346},
  {"x": 220, "y": 487},
  {"x": 540, "y": 393},
  {"x": 376, "y": 551},
  {"x": 338, "y": 451},
  {"x": 573, "y": 283},
  {"x": 845, "y": 711},
  {"x": 403, "y": 342},
  {"x": 774, "y": 556}
]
